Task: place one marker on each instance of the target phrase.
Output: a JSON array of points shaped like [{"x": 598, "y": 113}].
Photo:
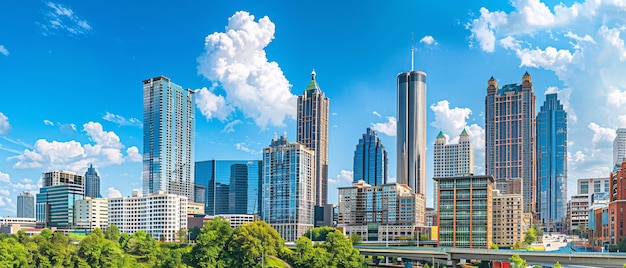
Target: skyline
[{"x": 81, "y": 74}]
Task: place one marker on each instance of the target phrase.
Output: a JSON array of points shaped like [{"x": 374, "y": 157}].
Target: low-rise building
[{"x": 91, "y": 213}]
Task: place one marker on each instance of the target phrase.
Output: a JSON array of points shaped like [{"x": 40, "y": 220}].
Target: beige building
[
  {"x": 195, "y": 208},
  {"x": 91, "y": 213},
  {"x": 381, "y": 212},
  {"x": 577, "y": 212},
  {"x": 508, "y": 219}
]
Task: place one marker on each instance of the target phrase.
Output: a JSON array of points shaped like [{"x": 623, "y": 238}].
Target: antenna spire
[{"x": 412, "y": 51}]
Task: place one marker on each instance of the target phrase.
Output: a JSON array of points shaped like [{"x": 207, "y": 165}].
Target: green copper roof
[
  {"x": 463, "y": 132},
  {"x": 312, "y": 86},
  {"x": 441, "y": 135}
]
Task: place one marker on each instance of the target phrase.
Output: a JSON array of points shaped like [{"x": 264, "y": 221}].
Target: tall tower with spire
[
  {"x": 451, "y": 160},
  {"x": 313, "y": 133},
  {"x": 92, "y": 183}
]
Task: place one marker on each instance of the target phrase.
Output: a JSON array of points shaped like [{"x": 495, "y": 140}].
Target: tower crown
[
  {"x": 313, "y": 86},
  {"x": 492, "y": 85},
  {"x": 527, "y": 79}
]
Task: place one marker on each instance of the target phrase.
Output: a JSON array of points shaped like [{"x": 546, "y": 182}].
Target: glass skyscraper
[
  {"x": 313, "y": 133},
  {"x": 232, "y": 186},
  {"x": 92, "y": 183},
  {"x": 288, "y": 195},
  {"x": 168, "y": 137},
  {"x": 370, "y": 160},
  {"x": 25, "y": 205},
  {"x": 55, "y": 200},
  {"x": 411, "y": 131},
  {"x": 551, "y": 162},
  {"x": 510, "y": 138}
]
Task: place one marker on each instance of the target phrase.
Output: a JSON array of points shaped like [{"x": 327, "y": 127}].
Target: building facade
[
  {"x": 26, "y": 205},
  {"x": 370, "y": 160},
  {"x": 53, "y": 178},
  {"x": 199, "y": 191},
  {"x": 232, "y": 186},
  {"x": 551, "y": 164},
  {"x": 619, "y": 146},
  {"x": 380, "y": 212},
  {"x": 411, "y": 131},
  {"x": 54, "y": 205},
  {"x": 288, "y": 187},
  {"x": 168, "y": 137},
  {"x": 451, "y": 160},
  {"x": 91, "y": 213},
  {"x": 508, "y": 219},
  {"x": 510, "y": 138},
  {"x": 313, "y": 133},
  {"x": 92, "y": 183},
  {"x": 465, "y": 211},
  {"x": 160, "y": 214},
  {"x": 589, "y": 186},
  {"x": 577, "y": 212}
]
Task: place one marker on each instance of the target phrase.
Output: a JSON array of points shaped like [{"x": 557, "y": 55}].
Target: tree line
[{"x": 254, "y": 244}]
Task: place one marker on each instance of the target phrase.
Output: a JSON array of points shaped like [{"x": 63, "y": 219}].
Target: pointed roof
[
  {"x": 492, "y": 79},
  {"x": 313, "y": 86},
  {"x": 526, "y": 74},
  {"x": 464, "y": 133},
  {"x": 440, "y": 135}
]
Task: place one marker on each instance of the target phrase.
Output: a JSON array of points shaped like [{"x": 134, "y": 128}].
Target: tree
[
  {"x": 253, "y": 241},
  {"x": 193, "y": 233},
  {"x": 309, "y": 256},
  {"x": 531, "y": 235},
  {"x": 143, "y": 245},
  {"x": 112, "y": 233},
  {"x": 517, "y": 261},
  {"x": 341, "y": 252},
  {"x": 494, "y": 246},
  {"x": 211, "y": 242},
  {"x": 12, "y": 253},
  {"x": 319, "y": 233},
  {"x": 558, "y": 265},
  {"x": 181, "y": 235},
  {"x": 517, "y": 246},
  {"x": 98, "y": 251},
  {"x": 356, "y": 239}
]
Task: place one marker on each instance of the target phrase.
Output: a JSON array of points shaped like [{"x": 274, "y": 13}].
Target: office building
[
  {"x": 450, "y": 160},
  {"x": 53, "y": 178},
  {"x": 380, "y": 212},
  {"x": 160, "y": 214},
  {"x": 26, "y": 205},
  {"x": 551, "y": 164},
  {"x": 91, "y": 213},
  {"x": 465, "y": 211},
  {"x": 313, "y": 133},
  {"x": 508, "y": 219},
  {"x": 232, "y": 186},
  {"x": 589, "y": 186},
  {"x": 411, "y": 131},
  {"x": 54, "y": 205},
  {"x": 199, "y": 191},
  {"x": 92, "y": 183},
  {"x": 619, "y": 146},
  {"x": 288, "y": 187},
  {"x": 168, "y": 137},
  {"x": 510, "y": 138},
  {"x": 370, "y": 160},
  {"x": 194, "y": 208}
]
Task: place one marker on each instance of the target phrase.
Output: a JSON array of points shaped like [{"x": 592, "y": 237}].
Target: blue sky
[{"x": 71, "y": 75}]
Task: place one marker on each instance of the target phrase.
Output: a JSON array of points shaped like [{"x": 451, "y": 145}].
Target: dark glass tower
[
  {"x": 551, "y": 162},
  {"x": 92, "y": 183},
  {"x": 370, "y": 160}
]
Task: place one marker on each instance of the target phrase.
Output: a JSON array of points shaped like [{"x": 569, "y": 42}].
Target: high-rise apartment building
[
  {"x": 92, "y": 183},
  {"x": 168, "y": 137},
  {"x": 53, "y": 178},
  {"x": 551, "y": 163},
  {"x": 370, "y": 160},
  {"x": 160, "y": 214},
  {"x": 232, "y": 186},
  {"x": 380, "y": 212},
  {"x": 508, "y": 219},
  {"x": 26, "y": 205},
  {"x": 411, "y": 131},
  {"x": 619, "y": 146},
  {"x": 91, "y": 213},
  {"x": 510, "y": 138},
  {"x": 55, "y": 200},
  {"x": 288, "y": 188},
  {"x": 313, "y": 133},
  {"x": 452, "y": 160},
  {"x": 465, "y": 211}
]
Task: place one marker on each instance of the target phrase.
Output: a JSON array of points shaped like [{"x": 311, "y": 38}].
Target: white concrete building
[
  {"x": 159, "y": 214},
  {"x": 91, "y": 213}
]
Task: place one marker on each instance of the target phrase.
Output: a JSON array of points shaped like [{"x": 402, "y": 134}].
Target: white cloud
[
  {"x": 611, "y": 36},
  {"x": 343, "y": 176},
  {"x": 5, "y": 201},
  {"x": 483, "y": 28},
  {"x": 230, "y": 127},
  {"x": 27, "y": 180},
  {"x": 428, "y": 40},
  {"x": 236, "y": 59},
  {"x": 601, "y": 133},
  {"x": 4, "y": 124},
  {"x": 510, "y": 43},
  {"x": 122, "y": 121},
  {"x": 564, "y": 97},
  {"x": 212, "y": 105},
  {"x": 4, "y": 177},
  {"x": 4, "y": 50},
  {"x": 616, "y": 96},
  {"x": 48, "y": 122},
  {"x": 113, "y": 193},
  {"x": 132, "y": 154},
  {"x": 388, "y": 128},
  {"x": 549, "y": 59},
  {"x": 105, "y": 138},
  {"x": 242, "y": 146},
  {"x": 377, "y": 114},
  {"x": 60, "y": 17},
  {"x": 586, "y": 38},
  {"x": 4, "y": 192}
]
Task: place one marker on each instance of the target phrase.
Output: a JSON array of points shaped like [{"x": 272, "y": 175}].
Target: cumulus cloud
[
  {"x": 236, "y": 59},
  {"x": 4, "y": 124},
  {"x": 132, "y": 154},
  {"x": 601, "y": 133},
  {"x": 388, "y": 128},
  {"x": 212, "y": 105},
  {"x": 59, "y": 17},
  {"x": 4, "y": 177},
  {"x": 4, "y": 50},
  {"x": 122, "y": 121},
  {"x": 113, "y": 193},
  {"x": 452, "y": 121},
  {"x": 428, "y": 40},
  {"x": 616, "y": 96},
  {"x": 230, "y": 127},
  {"x": 343, "y": 176}
]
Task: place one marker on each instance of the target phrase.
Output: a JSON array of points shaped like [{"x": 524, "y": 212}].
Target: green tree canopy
[
  {"x": 531, "y": 236},
  {"x": 517, "y": 261},
  {"x": 112, "y": 233},
  {"x": 341, "y": 252},
  {"x": 319, "y": 233},
  {"x": 210, "y": 244},
  {"x": 252, "y": 241},
  {"x": 98, "y": 251}
]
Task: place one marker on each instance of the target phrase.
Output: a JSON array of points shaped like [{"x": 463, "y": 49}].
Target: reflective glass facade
[
  {"x": 92, "y": 183},
  {"x": 168, "y": 137},
  {"x": 232, "y": 186},
  {"x": 370, "y": 160},
  {"x": 55, "y": 204},
  {"x": 26, "y": 205},
  {"x": 411, "y": 131},
  {"x": 552, "y": 162}
]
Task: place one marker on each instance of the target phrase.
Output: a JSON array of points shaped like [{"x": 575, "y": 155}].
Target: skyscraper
[
  {"x": 92, "y": 183},
  {"x": 55, "y": 200},
  {"x": 510, "y": 138},
  {"x": 168, "y": 137},
  {"x": 450, "y": 160},
  {"x": 551, "y": 163},
  {"x": 619, "y": 146},
  {"x": 288, "y": 194},
  {"x": 26, "y": 205},
  {"x": 313, "y": 133},
  {"x": 411, "y": 131},
  {"x": 370, "y": 160}
]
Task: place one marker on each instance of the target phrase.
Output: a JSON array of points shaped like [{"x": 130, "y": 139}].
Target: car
[{"x": 547, "y": 245}]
